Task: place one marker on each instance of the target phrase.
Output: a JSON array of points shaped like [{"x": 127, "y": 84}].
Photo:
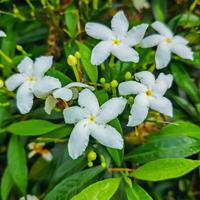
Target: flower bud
[
  {"x": 102, "y": 80},
  {"x": 1, "y": 83},
  {"x": 77, "y": 55},
  {"x": 103, "y": 164},
  {"x": 71, "y": 60},
  {"x": 130, "y": 100},
  {"x": 92, "y": 156},
  {"x": 107, "y": 86},
  {"x": 128, "y": 76},
  {"x": 114, "y": 83},
  {"x": 90, "y": 164}
]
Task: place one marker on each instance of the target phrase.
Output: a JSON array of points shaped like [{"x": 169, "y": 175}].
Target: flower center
[
  {"x": 168, "y": 40},
  {"x": 92, "y": 119},
  {"x": 37, "y": 148},
  {"x": 30, "y": 78},
  {"x": 149, "y": 93},
  {"x": 116, "y": 42}
]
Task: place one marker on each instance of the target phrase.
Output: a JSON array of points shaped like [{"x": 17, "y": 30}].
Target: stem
[
  {"x": 120, "y": 170},
  {"x": 76, "y": 73},
  {"x": 111, "y": 63},
  {"x": 7, "y": 58}
]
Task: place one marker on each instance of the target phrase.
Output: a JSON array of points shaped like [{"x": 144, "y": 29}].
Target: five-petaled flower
[
  {"x": 91, "y": 119},
  {"x": 117, "y": 41},
  {"x": 166, "y": 43},
  {"x": 149, "y": 95},
  {"x": 2, "y": 33},
  {"x": 38, "y": 148},
  {"x": 64, "y": 93},
  {"x": 29, "y": 81}
]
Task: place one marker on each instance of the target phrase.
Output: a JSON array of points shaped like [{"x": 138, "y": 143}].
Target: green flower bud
[
  {"x": 102, "y": 80},
  {"x": 103, "y": 164},
  {"x": 92, "y": 156},
  {"x": 107, "y": 86},
  {"x": 77, "y": 55},
  {"x": 128, "y": 76},
  {"x": 1, "y": 83},
  {"x": 90, "y": 164},
  {"x": 130, "y": 100},
  {"x": 114, "y": 83}
]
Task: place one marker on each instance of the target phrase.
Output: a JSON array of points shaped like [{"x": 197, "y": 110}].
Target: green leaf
[
  {"x": 6, "y": 184},
  {"x": 73, "y": 184},
  {"x": 102, "y": 190},
  {"x": 71, "y": 19},
  {"x": 166, "y": 168},
  {"x": 32, "y": 127},
  {"x": 185, "y": 82},
  {"x": 17, "y": 163},
  {"x": 159, "y": 9},
  {"x": 90, "y": 69},
  {"x": 59, "y": 75},
  {"x": 142, "y": 194}
]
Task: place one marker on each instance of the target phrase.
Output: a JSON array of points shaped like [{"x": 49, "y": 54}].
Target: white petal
[
  {"x": 107, "y": 135},
  {"x": 111, "y": 109},
  {"x": 26, "y": 66},
  {"x": 24, "y": 98},
  {"x": 139, "y": 110},
  {"x": 101, "y": 52},
  {"x": 146, "y": 78},
  {"x": 29, "y": 197},
  {"x": 180, "y": 40},
  {"x": 47, "y": 156},
  {"x": 125, "y": 53},
  {"x": 163, "y": 55},
  {"x": 50, "y": 104},
  {"x": 42, "y": 65},
  {"x": 79, "y": 139},
  {"x": 43, "y": 87},
  {"x": 163, "y": 82},
  {"x": 182, "y": 50},
  {"x": 135, "y": 35},
  {"x": 162, "y": 105},
  {"x": 98, "y": 31},
  {"x": 88, "y": 100},
  {"x": 31, "y": 154},
  {"x": 162, "y": 29},
  {"x": 74, "y": 114},
  {"x": 119, "y": 24},
  {"x": 131, "y": 87},
  {"x": 2, "y": 34},
  {"x": 77, "y": 84},
  {"x": 151, "y": 41},
  {"x": 14, "y": 81},
  {"x": 63, "y": 93}
]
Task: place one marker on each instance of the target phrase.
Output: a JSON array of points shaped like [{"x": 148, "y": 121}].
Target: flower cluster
[{"x": 90, "y": 118}]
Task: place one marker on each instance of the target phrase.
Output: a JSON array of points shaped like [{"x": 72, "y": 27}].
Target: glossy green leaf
[
  {"x": 102, "y": 190},
  {"x": 159, "y": 9},
  {"x": 32, "y": 127},
  {"x": 90, "y": 69},
  {"x": 17, "y": 163},
  {"x": 73, "y": 184},
  {"x": 142, "y": 194},
  {"x": 166, "y": 168}
]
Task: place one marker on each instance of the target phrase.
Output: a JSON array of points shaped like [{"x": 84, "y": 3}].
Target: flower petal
[
  {"x": 107, "y": 135},
  {"x": 131, "y": 87},
  {"x": 74, "y": 114},
  {"x": 2, "y": 34},
  {"x": 135, "y": 35},
  {"x": 63, "y": 93},
  {"x": 88, "y": 100},
  {"x": 47, "y": 155},
  {"x": 182, "y": 50},
  {"x": 101, "y": 52},
  {"x": 24, "y": 98},
  {"x": 43, "y": 87},
  {"x": 31, "y": 154},
  {"x": 26, "y": 66},
  {"x": 162, "y": 105},
  {"x": 50, "y": 104},
  {"x": 163, "y": 55},
  {"x": 111, "y": 109},
  {"x": 162, "y": 29},
  {"x": 42, "y": 65},
  {"x": 146, "y": 78},
  {"x": 119, "y": 24},
  {"x": 29, "y": 197},
  {"x": 14, "y": 81},
  {"x": 99, "y": 31},
  {"x": 151, "y": 41},
  {"x": 163, "y": 82},
  {"x": 78, "y": 84},
  {"x": 180, "y": 40},
  {"x": 78, "y": 140},
  {"x": 125, "y": 53},
  {"x": 139, "y": 110}
]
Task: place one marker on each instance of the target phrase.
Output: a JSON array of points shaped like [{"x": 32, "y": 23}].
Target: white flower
[
  {"x": 28, "y": 80},
  {"x": 91, "y": 119},
  {"x": 166, "y": 43},
  {"x": 29, "y": 197},
  {"x": 117, "y": 41},
  {"x": 2, "y": 34},
  {"x": 38, "y": 148},
  {"x": 140, "y": 4},
  {"x": 64, "y": 93},
  {"x": 149, "y": 94}
]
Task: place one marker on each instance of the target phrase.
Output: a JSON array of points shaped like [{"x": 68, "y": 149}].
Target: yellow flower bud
[
  {"x": 92, "y": 156},
  {"x": 71, "y": 60},
  {"x": 1, "y": 83}
]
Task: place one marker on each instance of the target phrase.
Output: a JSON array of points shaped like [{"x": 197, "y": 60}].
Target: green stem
[{"x": 76, "y": 73}]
